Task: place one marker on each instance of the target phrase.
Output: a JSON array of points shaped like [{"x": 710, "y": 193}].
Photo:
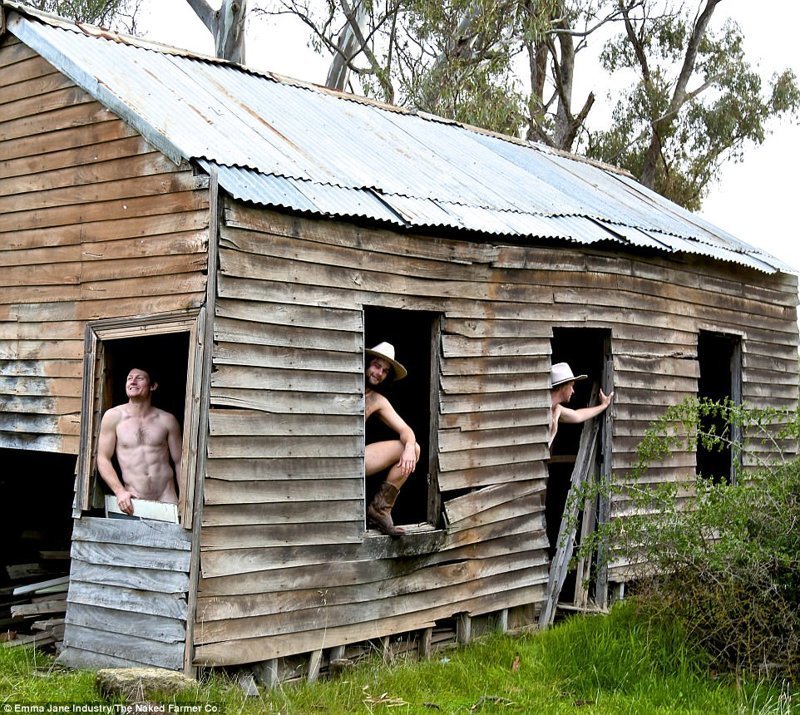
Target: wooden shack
[{"x": 256, "y": 234}]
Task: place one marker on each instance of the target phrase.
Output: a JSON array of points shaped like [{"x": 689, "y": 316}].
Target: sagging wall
[
  {"x": 93, "y": 224},
  {"x": 285, "y": 565}
]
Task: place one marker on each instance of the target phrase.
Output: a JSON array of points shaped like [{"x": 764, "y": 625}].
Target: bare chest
[
  {"x": 371, "y": 404},
  {"x": 135, "y": 432}
]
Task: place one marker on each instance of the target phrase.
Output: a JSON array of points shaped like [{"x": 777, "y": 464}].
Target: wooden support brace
[
  {"x": 337, "y": 652},
  {"x": 266, "y": 672},
  {"x": 425, "y": 640},
  {"x": 501, "y": 623},
  {"x": 464, "y": 628},
  {"x": 314, "y": 663}
]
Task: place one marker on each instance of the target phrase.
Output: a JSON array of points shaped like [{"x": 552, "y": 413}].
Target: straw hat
[
  {"x": 561, "y": 372},
  {"x": 385, "y": 351}
]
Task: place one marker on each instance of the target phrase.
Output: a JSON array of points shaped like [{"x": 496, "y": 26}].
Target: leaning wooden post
[{"x": 566, "y": 532}]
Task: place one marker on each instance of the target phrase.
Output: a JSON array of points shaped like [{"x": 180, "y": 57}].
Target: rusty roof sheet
[{"x": 280, "y": 143}]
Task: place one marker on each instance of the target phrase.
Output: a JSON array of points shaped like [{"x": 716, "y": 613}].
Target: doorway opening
[
  {"x": 720, "y": 359},
  {"x": 588, "y": 352},
  {"x": 415, "y": 335}
]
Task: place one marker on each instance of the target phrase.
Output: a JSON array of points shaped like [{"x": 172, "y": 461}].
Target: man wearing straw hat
[
  {"x": 562, "y": 388},
  {"x": 399, "y": 455}
]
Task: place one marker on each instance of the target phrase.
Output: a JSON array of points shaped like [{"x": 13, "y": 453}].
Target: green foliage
[
  {"x": 106, "y": 13},
  {"x": 695, "y": 133},
  {"x": 723, "y": 560}
]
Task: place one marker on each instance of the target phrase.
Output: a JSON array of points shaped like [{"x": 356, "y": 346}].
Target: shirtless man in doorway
[
  {"x": 562, "y": 389},
  {"x": 144, "y": 439},
  {"x": 400, "y": 454}
]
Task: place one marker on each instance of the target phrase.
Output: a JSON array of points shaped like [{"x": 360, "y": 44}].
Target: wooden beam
[
  {"x": 314, "y": 663},
  {"x": 568, "y": 528}
]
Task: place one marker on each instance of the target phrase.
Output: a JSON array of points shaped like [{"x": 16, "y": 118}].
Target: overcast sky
[{"x": 754, "y": 199}]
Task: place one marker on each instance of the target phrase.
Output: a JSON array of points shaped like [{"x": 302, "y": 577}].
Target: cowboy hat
[
  {"x": 561, "y": 372},
  {"x": 385, "y": 351}
]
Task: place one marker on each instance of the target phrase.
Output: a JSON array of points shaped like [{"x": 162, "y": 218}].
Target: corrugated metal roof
[{"x": 280, "y": 143}]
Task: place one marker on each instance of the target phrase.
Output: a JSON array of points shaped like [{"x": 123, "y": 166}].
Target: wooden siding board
[
  {"x": 248, "y": 422},
  {"x": 159, "y": 535},
  {"x": 286, "y": 401},
  {"x": 304, "y": 512},
  {"x": 278, "y": 490},
  {"x": 485, "y": 498},
  {"x": 131, "y": 555},
  {"x": 281, "y": 313},
  {"x": 158, "y": 628},
  {"x": 125, "y": 647},
  {"x": 104, "y": 596},
  {"x": 282, "y": 469},
  {"x": 252, "y": 219},
  {"x": 348, "y": 528},
  {"x": 103, "y": 233},
  {"x": 297, "y": 357},
  {"x": 488, "y": 476},
  {"x": 259, "y": 447},
  {"x": 267, "y": 378},
  {"x": 233, "y": 330}
]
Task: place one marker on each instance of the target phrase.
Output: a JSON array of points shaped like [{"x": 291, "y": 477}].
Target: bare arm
[
  {"x": 584, "y": 413},
  {"x": 389, "y": 416},
  {"x": 106, "y": 445},
  {"x": 175, "y": 445}
]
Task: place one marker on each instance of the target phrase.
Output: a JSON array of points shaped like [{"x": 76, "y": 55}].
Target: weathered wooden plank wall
[
  {"x": 127, "y": 597},
  {"x": 285, "y": 565},
  {"x": 93, "y": 224}
]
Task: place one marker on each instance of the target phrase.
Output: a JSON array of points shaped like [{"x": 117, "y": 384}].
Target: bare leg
[{"x": 378, "y": 456}]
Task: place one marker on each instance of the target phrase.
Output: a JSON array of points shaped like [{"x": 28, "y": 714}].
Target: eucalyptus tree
[{"x": 691, "y": 99}]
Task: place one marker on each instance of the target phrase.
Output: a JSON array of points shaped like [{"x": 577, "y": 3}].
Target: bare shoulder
[
  {"x": 112, "y": 416},
  {"x": 375, "y": 403},
  {"x": 166, "y": 417}
]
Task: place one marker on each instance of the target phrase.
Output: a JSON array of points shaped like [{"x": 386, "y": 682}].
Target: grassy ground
[{"x": 591, "y": 665}]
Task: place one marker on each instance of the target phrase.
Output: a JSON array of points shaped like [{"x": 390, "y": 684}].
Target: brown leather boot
[{"x": 378, "y": 513}]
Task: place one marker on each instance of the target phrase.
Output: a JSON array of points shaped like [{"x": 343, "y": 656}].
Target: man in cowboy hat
[
  {"x": 562, "y": 388},
  {"x": 399, "y": 455}
]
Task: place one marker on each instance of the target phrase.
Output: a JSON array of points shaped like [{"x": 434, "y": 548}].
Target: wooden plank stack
[{"x": 35, "y": 612}]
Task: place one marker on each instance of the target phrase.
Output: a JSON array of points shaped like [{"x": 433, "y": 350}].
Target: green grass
[{"x": 592, "y": 665}]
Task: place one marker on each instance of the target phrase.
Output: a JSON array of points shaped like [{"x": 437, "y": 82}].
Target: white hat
[
  {"x": 561, "y": 372},
  {"x": 385, "y": 351}
]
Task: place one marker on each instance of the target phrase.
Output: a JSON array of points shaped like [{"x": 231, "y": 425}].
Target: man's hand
[
  {"x": 408, "y": 460},
  {"x": 124, "y": 500},
  {"x": 605, "y": 400}
]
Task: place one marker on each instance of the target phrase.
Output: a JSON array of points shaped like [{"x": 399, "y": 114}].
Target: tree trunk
[
  {"x": 226, "y": 25},
  {"x": 662, "y": 124},
  {"x": 348, "y": 46}
]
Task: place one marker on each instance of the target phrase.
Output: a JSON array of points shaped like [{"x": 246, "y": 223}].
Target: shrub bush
[{"x": 726, "y": 561}]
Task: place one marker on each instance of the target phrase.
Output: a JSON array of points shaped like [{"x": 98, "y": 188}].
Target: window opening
[
  {"x": 167, "y": 348},
  {"x": 719, "y": 358},
  {"x": 415, "y": 337}
]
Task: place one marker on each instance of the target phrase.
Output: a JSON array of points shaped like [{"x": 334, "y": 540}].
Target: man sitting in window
[
  {"x": 144, "y": 439},
  {"x": 400, "y": 455}
]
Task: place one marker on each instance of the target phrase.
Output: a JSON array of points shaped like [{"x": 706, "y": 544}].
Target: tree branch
[{"x": 205, "y": 12}]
